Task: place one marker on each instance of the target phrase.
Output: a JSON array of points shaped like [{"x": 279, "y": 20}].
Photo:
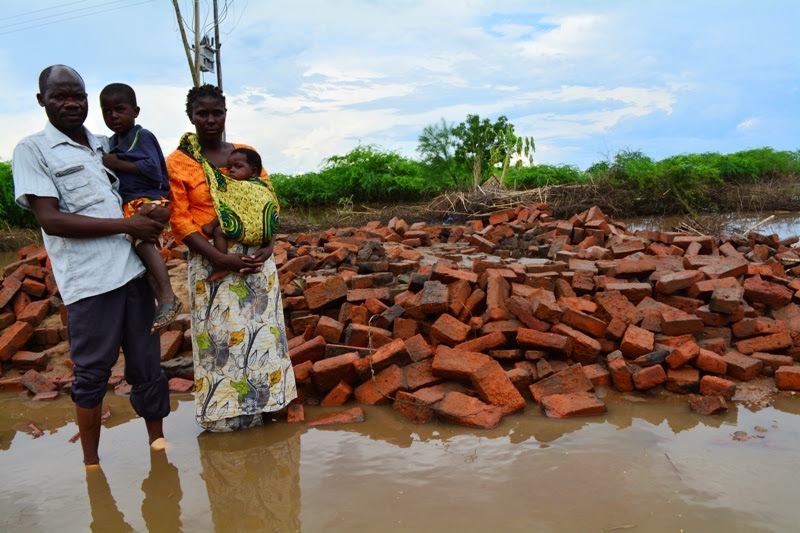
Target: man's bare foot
[
  {"x": 217, "y": 274},
  {"x": 155, "y": 434},
  {"x": 159, "y": 444}
]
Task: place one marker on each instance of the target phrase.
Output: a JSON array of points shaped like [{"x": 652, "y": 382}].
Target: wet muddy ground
[
  {"x": 645, "y": 466},
  {"x": 649, "y": 464}
]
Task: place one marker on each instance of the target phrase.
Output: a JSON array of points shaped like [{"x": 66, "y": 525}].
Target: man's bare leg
[{"x": 89, "y": 430}]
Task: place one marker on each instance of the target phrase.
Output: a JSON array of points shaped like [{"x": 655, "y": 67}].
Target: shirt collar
[
  {"x": 126, "y": 143},
  {"x": 55, "y": 137}
]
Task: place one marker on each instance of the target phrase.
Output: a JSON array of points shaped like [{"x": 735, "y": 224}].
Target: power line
[
  {"x": 40, "y": 10},
  {"x": 77, "y": 16},
  {"x": 54, "y": 15}
]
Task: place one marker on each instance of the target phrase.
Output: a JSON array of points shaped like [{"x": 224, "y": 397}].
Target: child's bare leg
[
  {"x": 221, "y": 244},
  {"x": 157, "y": 269}
]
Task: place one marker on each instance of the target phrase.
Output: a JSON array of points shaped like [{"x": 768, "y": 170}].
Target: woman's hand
[{"x": 257, "y": 259}]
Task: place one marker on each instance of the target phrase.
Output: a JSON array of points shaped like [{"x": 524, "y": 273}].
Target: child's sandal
[{"x": 165, "y": 314}]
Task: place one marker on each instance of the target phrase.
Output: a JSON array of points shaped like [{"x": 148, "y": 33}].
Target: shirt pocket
[{"x": 76, "y": 189}]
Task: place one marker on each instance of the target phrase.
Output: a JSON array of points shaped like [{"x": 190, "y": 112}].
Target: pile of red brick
[
  {"x": 29, "y": 338},
  {"x": 469, "y": 323},
  {"x": 442, "y": 323}
]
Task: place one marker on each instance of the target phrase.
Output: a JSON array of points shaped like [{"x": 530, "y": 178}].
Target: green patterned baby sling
[{"x": 247, "y": 210}]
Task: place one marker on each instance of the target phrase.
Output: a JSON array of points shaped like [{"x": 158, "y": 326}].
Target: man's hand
[
  {"x": 154, "y": 211},
  {"x": 143, "y": 228}
]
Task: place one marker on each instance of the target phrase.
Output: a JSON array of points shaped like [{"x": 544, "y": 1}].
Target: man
[{"x": 59, "y": 175}]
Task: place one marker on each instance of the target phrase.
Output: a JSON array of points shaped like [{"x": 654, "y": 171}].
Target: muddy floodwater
[
  {"x": 645, "y": 466},
  {"x": 649, "y": 464}
]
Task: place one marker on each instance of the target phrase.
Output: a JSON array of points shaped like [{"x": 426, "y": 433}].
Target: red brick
[
  {"x": 363, "y": 295},
  {"x": 27, "y": 359},
  {"x": 547, "y": 310},
  {"x": 788, "y": 378},
  {"x": 683, "y": 354},
  {"x": 704, "y": 289},
  {"x": 45, "y": 396},
  {"x": 621, "y": 373},
  {"x": 366, "y": 336},
  {"x": 497, "y": 292},
  {"x": 468, "y": 411},
  {"x": 181, "y": 385},
  {"x": 484, "y": 343},
  {"x": 757, "y": 290},
  {"x": 634, "y": 292},
  {"x": 382, "y": 388},
  {"x": 35, "y": 289},
  {"x": 329, "y": 329},
  {"x": 728, "y": 267},
  {"x": 312, "y": 350},
  {"x": 678, "y": 281},
  {"x": 457, "y": 364},
  {"x": 649, "y": 377},
  {"x": 612, "y": 304},
  {"x": 717, "y": 386},
  {"x": 636, "y": 342},
  {"x": 457, "y": 294},
  {"x": 570, "y": 405},
  {"x": 726, "y": 299},
  {"x": 683, "y": 380},
  {"x": 19, "y": 302},
  {"x": 14, "y": 338},
  {"x": 773, "y": 361},
  {"x": 742, "y": 367},
  {"x": 350, "y": 416},
  {"x": 709, "y": 361},
  {"x": 333, "y": 290},
  {"x": 449, "y": 330},
  {"x": 766, "y": 343},
  {"x": 598, "y": 375},
  {"x": 327, "y": 373},
  {"x": 584, "y": 322},
  {"x": 405, "y": 328},
  {"x": 569, "y": 380},
  {"x": 584, "y": 348},
  {"x": 523, "y": 310},
  {"x": 36, "y": 382},
  {"x": 549, "y": 342},
  {"x": 414, "y": 408},
  {"x": 9, "y": 289},
  {"x": 511, "y": 354},
  {"x": 677, "y": 322},
  {"x": 420, "y": 375},
  {"x": 170, "y": 342},
  {"x": 338, "y": 395},
  {"x": 433, "y": 298},
  {"x": 302, "y": 371},
  {"x": 494, "y": 388},
  {"x": 708, "y": 405},
  {"x": 418, "y": 349}
]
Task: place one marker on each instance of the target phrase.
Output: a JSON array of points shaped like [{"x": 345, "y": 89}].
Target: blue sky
[{"x": 309, "y": 79}]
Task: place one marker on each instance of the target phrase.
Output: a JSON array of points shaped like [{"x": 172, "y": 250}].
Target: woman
[{"x": 241, "y": 361}]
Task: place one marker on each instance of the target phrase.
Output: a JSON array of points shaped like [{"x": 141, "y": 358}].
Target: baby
[{"x": 243, "y": 164}]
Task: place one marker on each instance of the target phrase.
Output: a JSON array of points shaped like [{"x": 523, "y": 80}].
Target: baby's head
[
  {"x": 243, "y": 164},
  {"x": 118, "y": 103}
]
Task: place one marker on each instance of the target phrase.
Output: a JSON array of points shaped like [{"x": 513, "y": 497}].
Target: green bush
[
  {"x": 10, "y": 213},
  {"x": 541, "y": 175},
  {"x": 365, "y": 174}
]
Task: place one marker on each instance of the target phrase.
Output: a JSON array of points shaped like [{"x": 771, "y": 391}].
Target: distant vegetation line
[{"x": 480, "y": 153}]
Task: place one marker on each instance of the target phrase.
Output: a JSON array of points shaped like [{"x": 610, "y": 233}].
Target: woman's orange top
[{"x": 190, "y": 201}]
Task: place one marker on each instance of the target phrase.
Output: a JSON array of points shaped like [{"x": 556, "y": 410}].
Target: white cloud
[{"x": 747, "y": 124}]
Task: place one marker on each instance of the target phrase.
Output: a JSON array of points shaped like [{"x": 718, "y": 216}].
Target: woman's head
[{"x": 205, "y": 107}]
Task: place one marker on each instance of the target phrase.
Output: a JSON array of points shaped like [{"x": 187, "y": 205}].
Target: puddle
[{"x": 645, "y": 466}]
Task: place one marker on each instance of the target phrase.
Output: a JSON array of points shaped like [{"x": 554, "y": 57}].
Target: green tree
[
  {"x": 483, "y": 144},
  {"x": 437, "y": 145}
]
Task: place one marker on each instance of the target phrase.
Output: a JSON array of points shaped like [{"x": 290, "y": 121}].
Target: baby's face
[{"x": 239, "y": 168}]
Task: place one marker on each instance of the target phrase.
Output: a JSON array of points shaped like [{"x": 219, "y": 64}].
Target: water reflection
[
  {"x": 161, "y": 507},
  {"x": 253, "y": 478},
  {"x": 105, "y": 514}
]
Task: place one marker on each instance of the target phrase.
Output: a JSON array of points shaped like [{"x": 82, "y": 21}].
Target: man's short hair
[
  {"x": 44, "y": 76},
  {"x": 119, "y": 89}
]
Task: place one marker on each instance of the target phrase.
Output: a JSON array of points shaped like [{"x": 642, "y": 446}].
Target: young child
[
  {"x": 136, "y": 159},
  {"x": 243, "y": 164}
]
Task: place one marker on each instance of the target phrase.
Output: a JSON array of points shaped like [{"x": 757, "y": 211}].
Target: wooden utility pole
[
  {"x": 217, "y": 46},
  {"x": 192, "y": 64}
]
